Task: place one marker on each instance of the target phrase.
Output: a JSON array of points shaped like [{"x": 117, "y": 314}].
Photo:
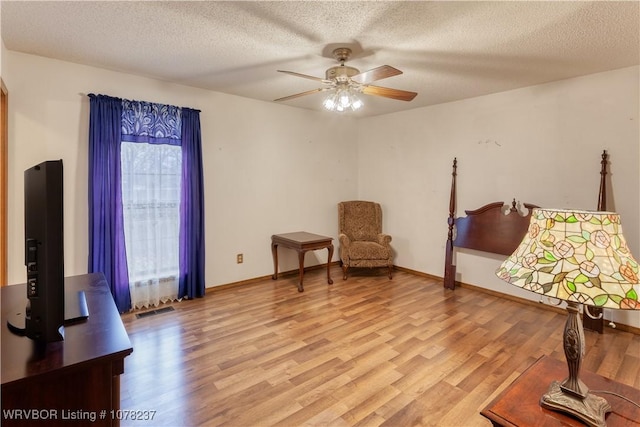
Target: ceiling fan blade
[
  {"x": 378, "y": 73},
  {"x": 297, "y": 95},
  {"x": 305, "y": 76},
  {"x": 401, "y": 95}
]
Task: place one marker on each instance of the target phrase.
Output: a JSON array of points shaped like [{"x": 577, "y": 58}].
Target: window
[{"x": 151, "y": 213}]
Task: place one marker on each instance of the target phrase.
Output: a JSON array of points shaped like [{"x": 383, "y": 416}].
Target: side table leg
[
  {"x": 274, "y": 252},
  {"x": 301, "y": 261},
  {"x": 329, "y": 281}
]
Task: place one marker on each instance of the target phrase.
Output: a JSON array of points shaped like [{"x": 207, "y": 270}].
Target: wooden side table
[
  {"x": 519, "y": 404},
  {"x": 301, "y": 242}
]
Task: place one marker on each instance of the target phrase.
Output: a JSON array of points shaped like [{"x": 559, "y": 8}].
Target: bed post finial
[
  {"x": 449, "y": 268},
  {"x": 602, "y": 195}
]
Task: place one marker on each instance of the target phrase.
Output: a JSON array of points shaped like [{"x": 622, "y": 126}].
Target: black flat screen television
[
  {"x": 48, "y": 307},
  {"x": 44, "y": 251},
  {"x": 42, "y": 319}
]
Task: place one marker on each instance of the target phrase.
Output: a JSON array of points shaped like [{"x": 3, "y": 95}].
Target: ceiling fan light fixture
[
  {"x": 330, "y": 102},
  {"x": 342, "y": 99},
  {"x": 356, "y": 103}
]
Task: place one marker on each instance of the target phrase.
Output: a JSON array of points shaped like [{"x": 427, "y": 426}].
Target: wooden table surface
[
  {"x": 101, "y": 335},
  {"x": 519, "y": 404}
]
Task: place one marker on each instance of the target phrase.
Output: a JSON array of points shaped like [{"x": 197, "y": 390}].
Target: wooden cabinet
[{"x": 71, "y": 382}]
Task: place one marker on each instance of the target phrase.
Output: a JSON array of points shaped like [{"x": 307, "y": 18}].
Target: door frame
[{"x": 4, "y": 153}]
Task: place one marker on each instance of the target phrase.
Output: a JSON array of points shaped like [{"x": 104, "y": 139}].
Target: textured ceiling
[{"x": 447, "y": 50}]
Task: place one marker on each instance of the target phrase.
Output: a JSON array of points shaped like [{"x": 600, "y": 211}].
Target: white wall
[
  {"x": 2, "y": 48},
  {"x": 2, "y": 51},
  {"x": 267, "y": 168},
  {"x": 271, "y": 168},
  {"x": 540, "y": 144}
]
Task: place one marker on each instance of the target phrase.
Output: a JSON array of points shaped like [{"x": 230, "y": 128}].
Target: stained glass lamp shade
[{"x": 580, "y": 257}]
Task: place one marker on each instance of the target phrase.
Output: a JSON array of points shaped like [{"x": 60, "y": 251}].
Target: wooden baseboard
[
  {"x": 269, "y": 276},
  {"x": 417, "y": 273}
]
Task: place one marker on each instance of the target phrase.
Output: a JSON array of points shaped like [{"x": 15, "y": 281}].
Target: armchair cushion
[{"x": 368, "y": 250}]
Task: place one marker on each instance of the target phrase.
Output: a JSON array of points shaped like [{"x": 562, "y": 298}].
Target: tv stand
[{"x": 81, "y": 373}]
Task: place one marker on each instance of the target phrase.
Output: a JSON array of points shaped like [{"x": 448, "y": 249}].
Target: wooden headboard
[{"x": 493, "y": 228}]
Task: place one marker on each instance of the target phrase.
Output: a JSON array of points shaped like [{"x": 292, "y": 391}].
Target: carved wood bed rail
[{"x": 498, "y": 229}]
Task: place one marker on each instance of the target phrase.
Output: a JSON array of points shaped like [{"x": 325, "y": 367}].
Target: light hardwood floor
[{"x": 363, "y": 352}]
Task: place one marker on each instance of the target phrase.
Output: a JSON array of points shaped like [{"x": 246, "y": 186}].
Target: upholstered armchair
[{"x": 362, "y": 243}]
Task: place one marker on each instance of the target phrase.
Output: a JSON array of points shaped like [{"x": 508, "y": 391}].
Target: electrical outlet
[{"x": 239, "y": 258}]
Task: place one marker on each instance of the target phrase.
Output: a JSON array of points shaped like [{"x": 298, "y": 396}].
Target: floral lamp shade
[{"x": 577, "y": 256}]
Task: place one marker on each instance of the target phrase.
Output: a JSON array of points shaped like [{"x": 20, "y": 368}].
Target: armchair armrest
[
  {"x": 384, "y": 239},
  {"x": 344, "y": 240}
]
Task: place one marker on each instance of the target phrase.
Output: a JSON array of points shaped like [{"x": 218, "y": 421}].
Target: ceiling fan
[{"x": 345, "y": 81}]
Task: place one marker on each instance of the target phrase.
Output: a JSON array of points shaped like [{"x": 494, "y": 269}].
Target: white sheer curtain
[{"x": 151, "y": 206}]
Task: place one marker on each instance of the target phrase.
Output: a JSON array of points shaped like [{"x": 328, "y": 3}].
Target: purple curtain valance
[{"x": 151, "y": 123}]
